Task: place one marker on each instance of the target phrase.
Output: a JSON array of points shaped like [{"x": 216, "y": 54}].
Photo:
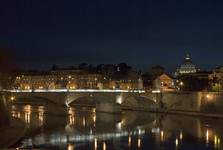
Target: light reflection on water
[{"x": 88, "y": 129}]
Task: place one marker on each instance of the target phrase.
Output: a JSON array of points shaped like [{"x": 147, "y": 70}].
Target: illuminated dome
[{"x": 187, "y": 66}]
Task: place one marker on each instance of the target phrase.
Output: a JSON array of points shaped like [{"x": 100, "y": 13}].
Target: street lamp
[{"x": 181, "y": 83}]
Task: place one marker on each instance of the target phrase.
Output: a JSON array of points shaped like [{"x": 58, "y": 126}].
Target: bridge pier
[{"x": 159, "y": 97}]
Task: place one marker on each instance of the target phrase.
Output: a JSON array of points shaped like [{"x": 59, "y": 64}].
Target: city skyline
[
  {"x": 111, "y": 74},
  {"x": 50, "y": 65}
]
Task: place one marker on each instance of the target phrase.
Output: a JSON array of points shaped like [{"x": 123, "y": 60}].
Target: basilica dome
[{"x": 187, "y": 66}]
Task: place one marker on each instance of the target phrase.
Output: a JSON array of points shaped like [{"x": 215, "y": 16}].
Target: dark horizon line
[{"x": 64, "y": 66}]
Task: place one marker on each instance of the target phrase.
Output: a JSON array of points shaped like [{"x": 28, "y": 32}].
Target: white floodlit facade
[{"x": 186, "y": 67}]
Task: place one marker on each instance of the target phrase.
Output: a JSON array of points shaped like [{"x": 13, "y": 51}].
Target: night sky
[{"x": 142, "y": 33}]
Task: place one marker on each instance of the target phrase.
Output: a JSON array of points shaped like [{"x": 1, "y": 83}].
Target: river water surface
[{"x": 83, "y": 128}]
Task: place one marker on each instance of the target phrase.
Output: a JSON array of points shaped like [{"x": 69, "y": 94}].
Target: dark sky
[{"x": 142, "y": 33}]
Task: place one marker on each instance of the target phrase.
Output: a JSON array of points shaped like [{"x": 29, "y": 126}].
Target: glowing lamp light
[
  {"x": 94, "y": 118},
  {"x": 84, "y": 122},
  {"x": 181, "y": 135},
  {"x": 119, "y": 99},
  {"x": 129, "y": 141},
  {"x": 215, "y": 140},
  {"x": 139, "y": 131},
  {"x": 162, "y": 135},
  {"x": 139, "y": 143},
  {"x": 181, "y": 83},
  {"x": 27, "y": 87},
  {"x": 207, "y": 136},
  {"x": 209, "y": 97},
  {"x": 156, "y": 91},
  {"x": 176, "y": 142},
  {"x": 12, "y": 98},
  {"x": 95, "y": 144},
  {"x": 70, "y": 147},
  {"x": 104, "y": 146},
  {"x": 119, "y": 125}
]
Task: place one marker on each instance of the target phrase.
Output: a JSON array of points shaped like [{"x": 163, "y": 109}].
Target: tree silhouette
[{"x": 7, "y": 68}]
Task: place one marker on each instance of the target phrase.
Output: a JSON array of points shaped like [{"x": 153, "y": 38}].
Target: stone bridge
[
  {"x": 115, "y": 100},
  {"x": 105, "y": 101}
]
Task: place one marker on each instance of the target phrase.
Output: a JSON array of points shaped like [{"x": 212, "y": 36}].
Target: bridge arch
[
  {"x": 35, "y": 99},
  {"x": 89, "y": 98}
]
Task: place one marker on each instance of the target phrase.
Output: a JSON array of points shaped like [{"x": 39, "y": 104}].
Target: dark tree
[
  {"x": 83, "y": 66},
  {"x": 157, "y": 70},
  {"x": 123, "y": 68},
  {"x": 7, "y": 68},
  {"x": 193, "y": 83},
  {"x": 147, "y": 80},
  {"x": 55, "y": 67}
]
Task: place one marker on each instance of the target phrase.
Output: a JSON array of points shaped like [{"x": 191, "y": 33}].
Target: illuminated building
[
  {"x": 75, "y": 78},
  {"x": 56, "y": 80},
  {"x": 89, "y": 81},
  {"x": 34, "y": 80},
  {"x": 164, "y": 82},
  {"x": 187, "y": 67},
  {"x": 129, "y": 81}
]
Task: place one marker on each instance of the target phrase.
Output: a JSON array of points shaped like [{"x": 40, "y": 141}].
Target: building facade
[
  {"x": 187, "y": 67},
  {"x": 74, "y": 78},
  {"x": 57, "y": 80},
  {"x": 164, "y": 82}
]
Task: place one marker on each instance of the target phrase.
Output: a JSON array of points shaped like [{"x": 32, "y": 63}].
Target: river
[{"x": 79, "y": 128}]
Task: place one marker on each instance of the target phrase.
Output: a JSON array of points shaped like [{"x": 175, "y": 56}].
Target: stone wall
[{"x": 205, "y": 102}]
